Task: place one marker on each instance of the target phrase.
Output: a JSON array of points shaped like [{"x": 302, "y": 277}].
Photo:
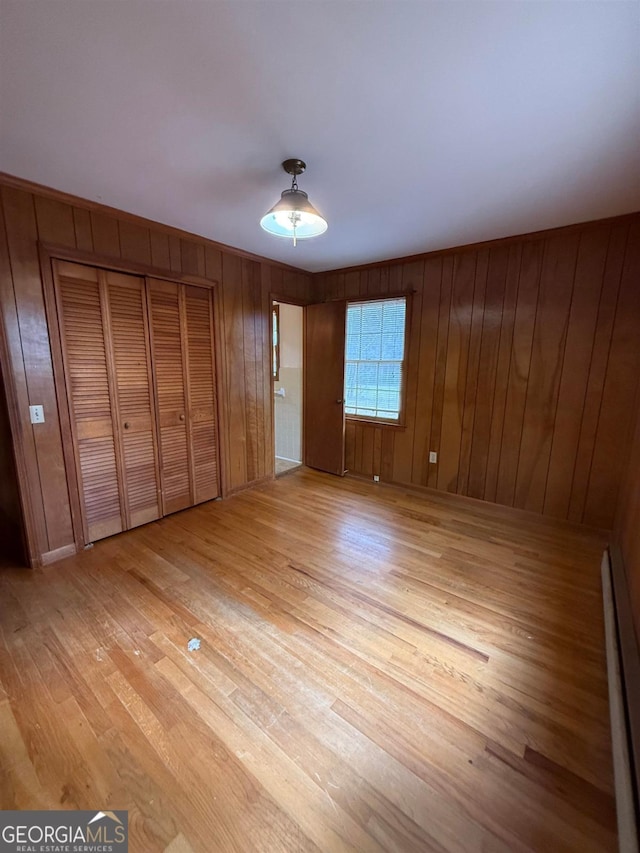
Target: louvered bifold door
[
  {"x": 201, "y": 414},
  {"x": 168, "y": 340},
  {"x": 128, "y": 334},
  {"x": 89, "y": 389}
]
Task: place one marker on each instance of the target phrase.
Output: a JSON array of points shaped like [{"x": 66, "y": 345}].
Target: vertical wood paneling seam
[
  {"x": 259, "y": 371},
  {"x": 226, "y": 297},
  {"x": 35, "y": 443},
  {"x": 561, "y": 371},
  {"x": 466, "y": 375},
  {"x": 119, "y": 240},
  {"x": 75, "y": 229},
  {"x": 475, "y": 399},
  {"x": 495, "y": 383},
  {"x": 259, "y": 333},
  {"x": 266, "y": 400},
  {"x": 545, "y": 245},
  {"x": 435, "y": 369},
  {"x": 511, "y": 359},
  {"x": 221, "y": 384},
  {"x": 606, "y": 370},
  {"x": 225, "y": 365},
  {"x": 244, "y": 369},
  {"x": 414, "y": 355},
  {"x": 439, "y": 426},
  {"x": 593, "y": 346}
]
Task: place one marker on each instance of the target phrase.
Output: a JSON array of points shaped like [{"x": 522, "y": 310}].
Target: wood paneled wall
[
  {"x": 30, "y": 215},
  {"x": 524, "y": 357},
  {"x": 627, "y": 530}
]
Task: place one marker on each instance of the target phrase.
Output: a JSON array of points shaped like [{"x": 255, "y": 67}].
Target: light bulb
[{"x": 289, "y": 219}]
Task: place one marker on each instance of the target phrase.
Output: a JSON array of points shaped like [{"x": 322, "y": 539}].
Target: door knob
[
  {"x": 181, "y": 417},
  {"x": 339, "y": 401},
  {"x": 127, "y": 424}
]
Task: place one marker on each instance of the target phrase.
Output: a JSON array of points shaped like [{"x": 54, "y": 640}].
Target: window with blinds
[{"x": 374, "y": 358}]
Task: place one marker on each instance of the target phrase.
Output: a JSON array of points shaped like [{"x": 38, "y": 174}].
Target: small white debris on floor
[{"x": 194, "y": 644}]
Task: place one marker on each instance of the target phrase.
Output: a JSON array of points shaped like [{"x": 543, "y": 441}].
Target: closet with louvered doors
[
  {"x": 104, "y": 334},
  {"x": 139, "y": 373},
  {"x": 182, "y": 346}
]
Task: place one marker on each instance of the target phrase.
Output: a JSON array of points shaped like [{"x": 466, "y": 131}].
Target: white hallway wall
[{"x": 288, "y": 409}]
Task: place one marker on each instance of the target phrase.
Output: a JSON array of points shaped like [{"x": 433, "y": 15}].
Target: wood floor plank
[{"x": 379, "y": 669}]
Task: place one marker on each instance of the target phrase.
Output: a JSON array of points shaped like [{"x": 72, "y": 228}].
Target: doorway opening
[{"x": 287, "y": 370}]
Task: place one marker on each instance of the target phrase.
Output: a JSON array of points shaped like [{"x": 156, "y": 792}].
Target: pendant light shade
[{"x": 294, "y": 216}]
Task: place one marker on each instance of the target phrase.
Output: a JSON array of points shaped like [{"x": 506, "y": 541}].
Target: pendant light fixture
[{"x": 294, "y": 216}]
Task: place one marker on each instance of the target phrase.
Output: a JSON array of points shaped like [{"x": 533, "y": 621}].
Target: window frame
[{"x": 385, "y": 423}]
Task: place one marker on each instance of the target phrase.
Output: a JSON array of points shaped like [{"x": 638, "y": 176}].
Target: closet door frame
[{"x": 49, "y": 253}]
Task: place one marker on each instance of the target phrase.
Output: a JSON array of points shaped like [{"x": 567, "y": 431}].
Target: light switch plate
[
  {"x": 433, "y": 457},
  {"x": 36, "y": 414}
]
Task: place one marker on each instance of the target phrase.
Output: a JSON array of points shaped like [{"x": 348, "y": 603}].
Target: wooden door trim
[
  {"x": 303, "y": 446},
  {"x": 63, "y": 397},
  {"x": 291, "y": 300},
  {"x": 108, "y": 262}
]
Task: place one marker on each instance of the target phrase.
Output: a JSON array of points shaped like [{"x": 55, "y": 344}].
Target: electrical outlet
[
  {"x": 433, "y": 457},
  {"x": 376, "y": 478},
  {"x": 36, "y": 414}
]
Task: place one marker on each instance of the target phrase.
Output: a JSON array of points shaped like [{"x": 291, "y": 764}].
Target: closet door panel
[
  {"x": 169, "y": 381},
  {"x": 202, "y": 396},
  {"x": 133, "y": 383},
  {"x": 88, "y": 389}
]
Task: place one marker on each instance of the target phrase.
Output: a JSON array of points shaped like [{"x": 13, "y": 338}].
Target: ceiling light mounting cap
[{"x": 294, "y": 166}]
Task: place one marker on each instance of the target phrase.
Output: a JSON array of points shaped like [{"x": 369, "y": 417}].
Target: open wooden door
[{"x": 324, "y": 386}]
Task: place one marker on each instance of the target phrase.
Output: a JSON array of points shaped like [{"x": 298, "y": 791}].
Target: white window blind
[{"x": 374, "y": 358}]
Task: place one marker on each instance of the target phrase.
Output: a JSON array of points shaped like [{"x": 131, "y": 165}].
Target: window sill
[{"x": 399, "y": 425}]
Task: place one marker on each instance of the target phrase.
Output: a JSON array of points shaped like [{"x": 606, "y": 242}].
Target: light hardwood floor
[{"x": 379, "y": 670}]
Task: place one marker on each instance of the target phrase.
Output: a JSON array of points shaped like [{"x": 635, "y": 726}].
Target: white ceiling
[{"x": 423, "y": 124}]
